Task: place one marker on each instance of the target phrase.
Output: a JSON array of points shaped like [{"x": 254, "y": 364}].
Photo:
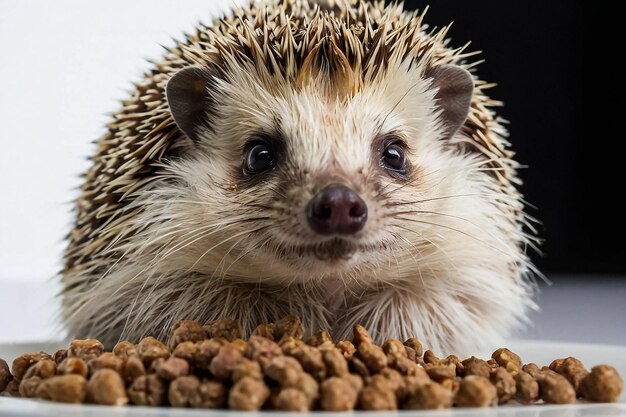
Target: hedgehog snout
[{"x": 336, "y": 210}]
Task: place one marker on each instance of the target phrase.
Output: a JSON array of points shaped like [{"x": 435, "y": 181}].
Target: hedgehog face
[{"x": 326, "y": 176}]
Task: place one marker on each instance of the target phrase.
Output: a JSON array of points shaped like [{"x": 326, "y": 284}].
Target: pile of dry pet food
[{"x": 211, "y": 366}]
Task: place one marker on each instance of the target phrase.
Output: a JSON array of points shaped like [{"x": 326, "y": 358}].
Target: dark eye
[
  {"x": 259, "y": 158},
  {"x": 393, "y": 158}
]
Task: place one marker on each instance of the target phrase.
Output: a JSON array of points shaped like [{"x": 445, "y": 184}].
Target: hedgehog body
[{"x": 175, "y": 221}]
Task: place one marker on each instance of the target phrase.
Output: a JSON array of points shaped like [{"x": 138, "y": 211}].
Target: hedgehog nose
[{"x": 337, "y": 210}]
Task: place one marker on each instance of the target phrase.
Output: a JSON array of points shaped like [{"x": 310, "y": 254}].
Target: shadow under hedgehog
[{"x": 335, "y": 161}]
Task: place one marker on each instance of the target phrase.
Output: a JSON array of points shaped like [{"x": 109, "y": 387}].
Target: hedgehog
[{"x": 336, "y": 160}]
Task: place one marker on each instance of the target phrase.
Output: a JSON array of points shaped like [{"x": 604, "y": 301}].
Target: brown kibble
[
  {"x": 358, "y": 366},
  {"x": 132, "y": 369},
  {"x": 423, "y": 394},
  {"x": 455, "y": 362},
  {"x": 173, "y": 368},
  {"x": 378, "y": 395},
  {"x": 13, "y": 388},
  {"x": 308, "y": 385},
  {"x": 396, "y": 381},
  {"x": 507, "y": 359},
  {"x": 150, "y": 349},
  {"x": 288, "y": 326},
  {"x": 336, "y": 364},
  {"x": 361, "y": 335},
  {"x": 63, "y": 389},
  {"x": 147, "y": 390},
  {"x": 5, "y": 375},
  {"x": 414, "y": 371},
  {"x": 86, "y": 349},
  {"x": 429, "y": 357},
  {"x": 106, "y": 387},
  {"x": 372, "y": 356},
  {"x": 440, "y": 373},
  {"x": 154, "y": 365},
  {"x": 288, "y": 344},
  {"x": 125, "y": 349},
  {"x": 25, "y": 361},
  {"x": 265, "y": 330},
  {"x": 224, "y": 362},
  {"x": 555, "y": 388},
  {"x": 475, "y": 391},
  {"x": 186, "y": 331},
  {"x": 532, "y": 369},
  {"x": 602, "y": 384},
  {"x": 43, "y": 369},
  {"x": 285, "y": 370},
  {"x": 526, "y": 388},
  {"x": 240, "y": 345},
  {"x": 291, "y": 375},
  {"x": 309, "y": 357},
  {"x": 475, "y": 366},
  {"x": 337, "y": 394},
  {"x": 28, "y": 386},
  {"x": 320, "y": 338},
  {"x": 188, "y": 391},
  {"x": 261, "y": 349},
  {"x": 504, "y": 383},
  {"x": 225, "y": 328},
  {"x": 206, "y": 351},
  {"x": 406, "y": 366},
  {"x": 355, "y": 382},
  {"x": 346, "y": 348},
  {"x": 572, "y": 369},
  {"x": 59, "y": 356},
  {"x": 394, "y": 348},
  {"x": 557, "y": 363},
  {"x": 106, "y": 361},
  {"x": 181, "y": 391},
  {"x": 410, "y": 353},
  {"x": 186, "y": 351},
  {"x": 379, "y": 381},
  {"x": 291, "y": 399},
  {"x": 246, "y": 368},
  {"x": 248, "y": 394},
  {"x": 452, "y": 385},
  {"x": 416, "y": 345},
  {"x": 209, "y": 394}
]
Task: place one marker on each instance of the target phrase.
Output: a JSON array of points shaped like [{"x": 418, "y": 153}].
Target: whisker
[
  {"x": 245, "y": 232},
  {"x": 455, "y": 230}
]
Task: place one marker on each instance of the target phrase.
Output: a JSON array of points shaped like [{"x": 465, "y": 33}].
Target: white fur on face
[{"x": 326, "y": 140}]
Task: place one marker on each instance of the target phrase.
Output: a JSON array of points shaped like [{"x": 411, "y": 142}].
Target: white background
[{"x": 64, "y": 65}]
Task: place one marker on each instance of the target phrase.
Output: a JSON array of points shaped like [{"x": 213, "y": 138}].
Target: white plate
[{"x": 530, "y": 351}]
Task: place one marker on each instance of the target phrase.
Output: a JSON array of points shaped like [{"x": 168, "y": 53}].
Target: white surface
[
  {"x": 64, "y": 66},
  {"x": 32, "y": 409},
  {"x": 541, "y": 353},
  {"x": 585, "y": 308}
]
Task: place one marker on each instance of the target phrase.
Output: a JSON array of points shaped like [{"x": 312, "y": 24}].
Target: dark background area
[{"x": 534, "y": 51}]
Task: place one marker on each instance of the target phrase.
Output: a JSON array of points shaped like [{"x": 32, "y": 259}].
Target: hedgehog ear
[
  {"x": 191, "y": 102},
  {"x": 455, "y": 87}
]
